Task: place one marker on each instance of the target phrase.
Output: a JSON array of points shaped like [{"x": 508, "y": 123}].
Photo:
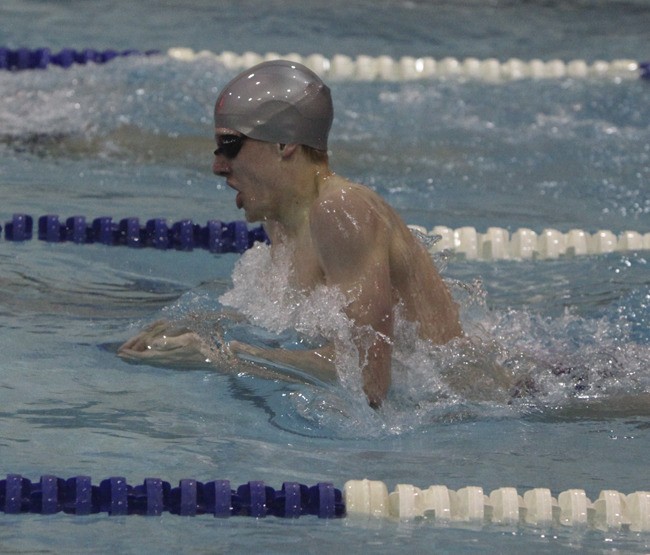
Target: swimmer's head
[{"x": 277, "y": 102}]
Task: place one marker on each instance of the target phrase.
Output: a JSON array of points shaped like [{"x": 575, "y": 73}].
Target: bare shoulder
[
  {"x": 352, "y": 208},
  {"x": 348, "y": 228},
  {"x": 339, "y": 188}
]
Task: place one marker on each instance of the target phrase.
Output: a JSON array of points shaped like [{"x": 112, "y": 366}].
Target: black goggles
[{"x": 229, "y": 145}]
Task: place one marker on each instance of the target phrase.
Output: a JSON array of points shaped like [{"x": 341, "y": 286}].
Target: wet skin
[{"x": 340, "y": 234}]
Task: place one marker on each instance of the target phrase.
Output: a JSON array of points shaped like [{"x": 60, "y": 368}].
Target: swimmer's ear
[{"x": 286, "y": 150}]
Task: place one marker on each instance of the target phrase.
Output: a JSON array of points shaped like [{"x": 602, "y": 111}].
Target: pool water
[{"x": 133, "y": 138}]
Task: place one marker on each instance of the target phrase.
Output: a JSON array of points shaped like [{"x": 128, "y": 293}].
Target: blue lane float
[
  {"x": 216, "y": 236},
  {"x": 365, "y": 499},
  {"x": 114, "y": 496},
  {"x": 645, "y": 70},
  {"x": 22, "y": 59}
]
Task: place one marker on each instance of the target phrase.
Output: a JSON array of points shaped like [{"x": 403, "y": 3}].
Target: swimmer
[{"x": 271, "y": 129}]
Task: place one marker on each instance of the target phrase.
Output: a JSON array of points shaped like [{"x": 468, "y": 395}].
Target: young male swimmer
[{"x": 271, "y": 128}]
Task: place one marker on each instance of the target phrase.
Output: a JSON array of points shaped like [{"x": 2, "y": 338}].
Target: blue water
[{"x": 133, "y": 138}]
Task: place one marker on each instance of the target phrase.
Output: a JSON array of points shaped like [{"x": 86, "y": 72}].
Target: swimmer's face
[{"x": 249, "y": 167}]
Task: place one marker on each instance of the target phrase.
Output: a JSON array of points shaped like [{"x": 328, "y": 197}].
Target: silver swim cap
[{"x": 278, "y": 102}]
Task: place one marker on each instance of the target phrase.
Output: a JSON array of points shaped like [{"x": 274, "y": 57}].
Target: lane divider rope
[
  {"x": 365, "y": 499},
  {"x": 409, "y": 68},
  {"x": 503, "y": 506},
  {"x": 523, "y": 244},
  {"x": 185, "y": 235},
  {"x": 343, "y": 67},
  {"x": 40, "y": 58},
  {"x": 223, "y": 237},
  {"x": 115, "y": 496}
]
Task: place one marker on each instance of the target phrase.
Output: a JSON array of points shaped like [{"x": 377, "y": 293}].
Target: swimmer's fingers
[
  {"x": 184, "y": 349},
  {"x": 136, "y": 344},
  {"x": 142, "y": 340},
  {"x": 185, "y": 340},
  {"x": 159, "y": 337},
  {"x": 131, "y": 355}
]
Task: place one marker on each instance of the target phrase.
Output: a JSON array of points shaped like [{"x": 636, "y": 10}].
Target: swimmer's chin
[{"x": 251, "y": 217}]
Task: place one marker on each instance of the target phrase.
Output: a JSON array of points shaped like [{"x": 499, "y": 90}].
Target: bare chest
[
  {"x": 299, "y": 253},
  {"x": 306, "y": 271}
]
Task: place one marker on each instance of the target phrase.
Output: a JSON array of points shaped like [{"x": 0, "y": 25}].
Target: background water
[{"x": 133, "y": 138}]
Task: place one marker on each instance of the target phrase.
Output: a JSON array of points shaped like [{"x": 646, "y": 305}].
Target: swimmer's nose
[{"x": 220, "y": 166}]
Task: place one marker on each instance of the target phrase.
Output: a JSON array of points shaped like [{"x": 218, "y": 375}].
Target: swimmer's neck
[{"x": 304, "y": 183}]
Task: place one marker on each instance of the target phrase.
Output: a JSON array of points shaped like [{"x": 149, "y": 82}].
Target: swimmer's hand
[{"x": 162, "y": 344}]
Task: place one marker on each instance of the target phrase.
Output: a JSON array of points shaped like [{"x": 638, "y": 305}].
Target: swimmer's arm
[
  {"x": 359, "y": 266},
  {"x": 318, "y": 363},
  {"x": 162, "y": 344}
]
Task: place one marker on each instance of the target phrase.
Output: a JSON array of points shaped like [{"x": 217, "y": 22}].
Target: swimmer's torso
[{"x": 415, "y": 281}]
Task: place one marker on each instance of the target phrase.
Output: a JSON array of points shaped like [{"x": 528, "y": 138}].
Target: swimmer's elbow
[
  {"x": 375, "y": 398},
  {"x": 376, "y": 383}
]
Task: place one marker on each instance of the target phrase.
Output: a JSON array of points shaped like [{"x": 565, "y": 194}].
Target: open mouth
[{"x": 239, "y": 198}]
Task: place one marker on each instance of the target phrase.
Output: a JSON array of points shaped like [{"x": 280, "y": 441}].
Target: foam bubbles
[
  {"x": 512, "y": 362},
  {"x": 263, "y": 293}
]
